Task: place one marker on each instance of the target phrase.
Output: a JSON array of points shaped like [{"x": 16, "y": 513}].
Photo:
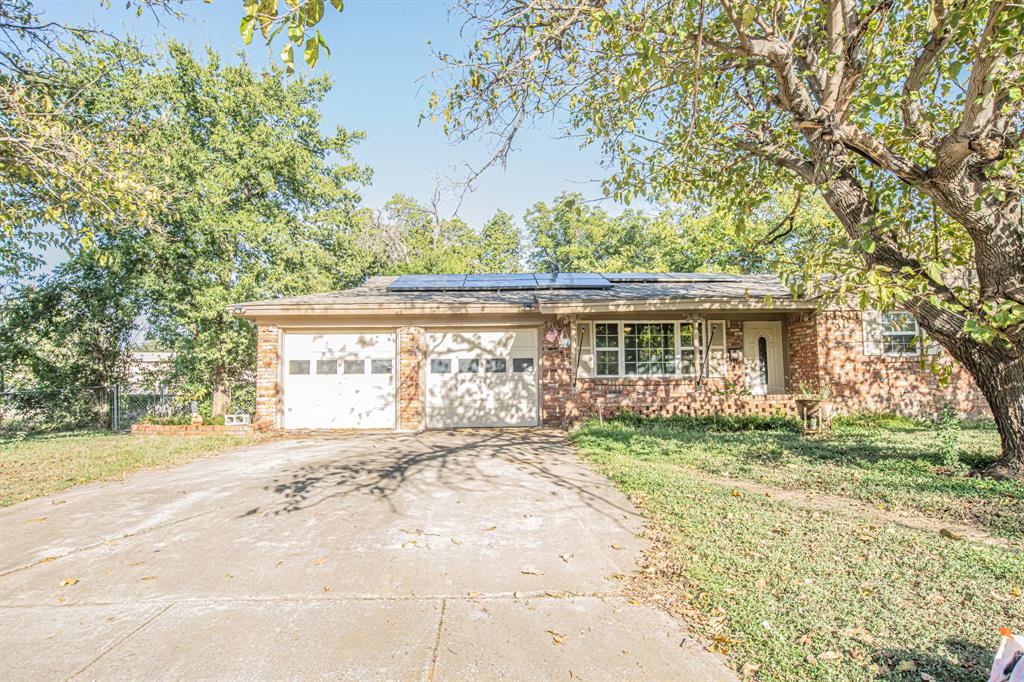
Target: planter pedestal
[{"x": 815, "y": 414}]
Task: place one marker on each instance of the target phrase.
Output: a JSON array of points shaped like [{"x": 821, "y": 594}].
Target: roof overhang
[{"x": 264, "y": 310}]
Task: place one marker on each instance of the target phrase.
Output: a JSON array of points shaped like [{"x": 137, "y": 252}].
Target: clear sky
[{"x": 381, "y": 51}]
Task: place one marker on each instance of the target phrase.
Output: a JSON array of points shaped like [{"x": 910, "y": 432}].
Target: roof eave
[{"x": 673, "y": 303}]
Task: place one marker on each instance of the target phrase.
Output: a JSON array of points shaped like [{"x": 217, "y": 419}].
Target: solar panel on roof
[
  {"x": 704, "y": 277},
  {"x": 639, "y": 277},
  {"x": 500, "y": 281}
]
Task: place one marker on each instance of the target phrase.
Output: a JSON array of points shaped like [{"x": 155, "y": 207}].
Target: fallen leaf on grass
[
  {"x": 531, "y": 571},
  {"x": 1015, "y": 592},
  {"x": 735, "y": 493},
  {"x": 557, "y": 637},
  {"x": 68, "y": 582},
  {"x": 906, "y": 666},
  {"x": 925, "y": 677},
  {"x": 947, "y": 533},
  {"x": 829, "y": 656}
]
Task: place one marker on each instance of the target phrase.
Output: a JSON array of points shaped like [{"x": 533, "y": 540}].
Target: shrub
[
  {"x": 715, "y": 422},
  {"x": 948, "y": 427},
  {"x": 178, "y": 420}
]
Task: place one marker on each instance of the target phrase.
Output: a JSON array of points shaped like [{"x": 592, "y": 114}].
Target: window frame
[
  {"x": 701, "y": 329},
  {"x": 915, "y": 337}
]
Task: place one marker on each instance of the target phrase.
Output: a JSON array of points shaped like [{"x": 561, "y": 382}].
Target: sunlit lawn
[
  {"x": 793, "y": 593},
  {"x": 32, "y": 465}
]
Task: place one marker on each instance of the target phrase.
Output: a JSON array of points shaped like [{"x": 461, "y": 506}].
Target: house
[{"x": 443, "y": 351}]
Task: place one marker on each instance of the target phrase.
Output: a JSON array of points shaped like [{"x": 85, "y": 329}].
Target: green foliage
[
  {"x": 300, "y": 17},
  {"x": 948, "y": 426},
  {"x": 257, "y": 201},
  {"x": 501, "y": 247},
  {"x": 72, "y": 328},
  {"x": 713, "y": 423}
]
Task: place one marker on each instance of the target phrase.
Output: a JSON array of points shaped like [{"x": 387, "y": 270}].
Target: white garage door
[
  {"x": 339, "y": 381},
  {"x": 482, "y": 378}
]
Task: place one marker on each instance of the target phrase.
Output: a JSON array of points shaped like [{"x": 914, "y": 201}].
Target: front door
[{"x": 762, "y": 353}]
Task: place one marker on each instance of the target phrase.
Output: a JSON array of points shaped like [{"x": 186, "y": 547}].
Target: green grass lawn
[
  {"x": 792, "y": 593},
  {"x": 886, "y": 461},
  {"x": 32, "y": 465}
]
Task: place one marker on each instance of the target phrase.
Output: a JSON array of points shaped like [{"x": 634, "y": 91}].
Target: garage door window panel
[
  {"x": 326, "y": 366},
  {"x": 440, "y": 366},
  {"x": 355, "y": 367},
  {"x": 522, "y": 365},
  {"x": 495, "y": 366},
  {"x": 298, "y": 366},
  {"x": 469, "y": 366},
  {"x": 381, "y": 366}
]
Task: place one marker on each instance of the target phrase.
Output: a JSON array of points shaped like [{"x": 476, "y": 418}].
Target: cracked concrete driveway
[{"x": 440, "y": 555}]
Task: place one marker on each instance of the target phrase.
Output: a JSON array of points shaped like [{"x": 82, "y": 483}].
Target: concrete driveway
[{"x": 442, "y": 555}]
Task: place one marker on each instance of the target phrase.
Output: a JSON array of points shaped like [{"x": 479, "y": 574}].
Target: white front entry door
[
  {"x": 482, "y": 378},
  {"x": 762, "y": 357},
  {"x": 339, "y": 381}
]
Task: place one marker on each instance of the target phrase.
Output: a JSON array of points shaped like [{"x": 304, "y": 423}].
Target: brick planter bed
[{"x": 198, "y": 429}]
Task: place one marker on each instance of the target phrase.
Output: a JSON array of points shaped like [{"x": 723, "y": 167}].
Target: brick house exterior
[{"x": 818, "y": 348}]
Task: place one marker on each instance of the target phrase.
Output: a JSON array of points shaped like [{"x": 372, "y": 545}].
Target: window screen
[
  {"x": 298, "y": 366},
  {"x": 381, "y": 366},
  {"x": 326, "y": 366}
]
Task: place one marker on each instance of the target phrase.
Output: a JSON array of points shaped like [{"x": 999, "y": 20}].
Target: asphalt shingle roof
[{"x": 701, "y": 286}]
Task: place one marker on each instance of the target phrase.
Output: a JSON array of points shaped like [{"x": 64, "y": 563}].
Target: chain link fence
[{"x": 113, "y": 408}]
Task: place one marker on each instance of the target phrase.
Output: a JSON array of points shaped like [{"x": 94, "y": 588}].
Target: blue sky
[{"x": 380, "y": 53}]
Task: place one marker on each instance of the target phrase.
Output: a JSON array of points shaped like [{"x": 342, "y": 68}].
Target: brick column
[
  {"x": 410, "y": 369},
  {"x": 558, "y": 405},
  {"x": 734, "y": 373},
  {"x": 803, "y": 341},
  {"x": 268, "y": 373}
]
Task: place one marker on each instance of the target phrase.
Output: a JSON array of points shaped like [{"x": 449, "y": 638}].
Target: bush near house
[{"x": 791, "y": 590}]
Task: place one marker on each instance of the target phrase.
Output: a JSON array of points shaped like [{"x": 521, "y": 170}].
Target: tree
[
  {"x": 259, "y": 200},
  {"x": 69, "y": 332},
  {"x": 905, "y": 116},
  {"x": 501, "y": 248}
]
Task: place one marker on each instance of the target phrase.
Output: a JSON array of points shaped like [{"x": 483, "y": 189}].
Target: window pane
[
  {"x": 520, "y": 365},
  {"x": 689, "y": 361},
  {"x": 381, "y": 366},
  {"x": 650, "y": 348},
  {"x": 469, "y": 365},
  {"x": 899, "y": 322},
  {"x": 686, "y": 334},
  {"x": 900, "y": 344},
  {"x": 298, "y": 366},
  {"x": 355, "y": 367},
  {"x": 606, "y": 335},
  {"x": 440, "y": 366},
  {"x": 495, "y": 365},
  {"x": 607, "y": 363},
  {"x": 326, "y": 366}
]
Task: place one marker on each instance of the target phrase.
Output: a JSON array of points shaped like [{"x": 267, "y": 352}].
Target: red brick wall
[
  {"x": 802, "y": 342},
  {"x": 878, "y": 383},
  {"x": 268, "y": 373},
  {"x": 565, "y": 405},
  {"x": 410, "y": 369}
]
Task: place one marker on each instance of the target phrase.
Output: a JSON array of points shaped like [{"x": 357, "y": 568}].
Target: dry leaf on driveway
[
  {"x": 531, "y": 571},
  {"x": 320, "y": 561},
  {"x": 616, "y": 545},
  {"x": 557, "y": 637},
  {"x": 68, "y": 582}
]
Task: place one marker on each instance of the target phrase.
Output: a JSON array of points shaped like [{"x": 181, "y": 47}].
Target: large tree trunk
[
  {"x": 1000, "y": 376},
  {"x": 221, "y": 397}
]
